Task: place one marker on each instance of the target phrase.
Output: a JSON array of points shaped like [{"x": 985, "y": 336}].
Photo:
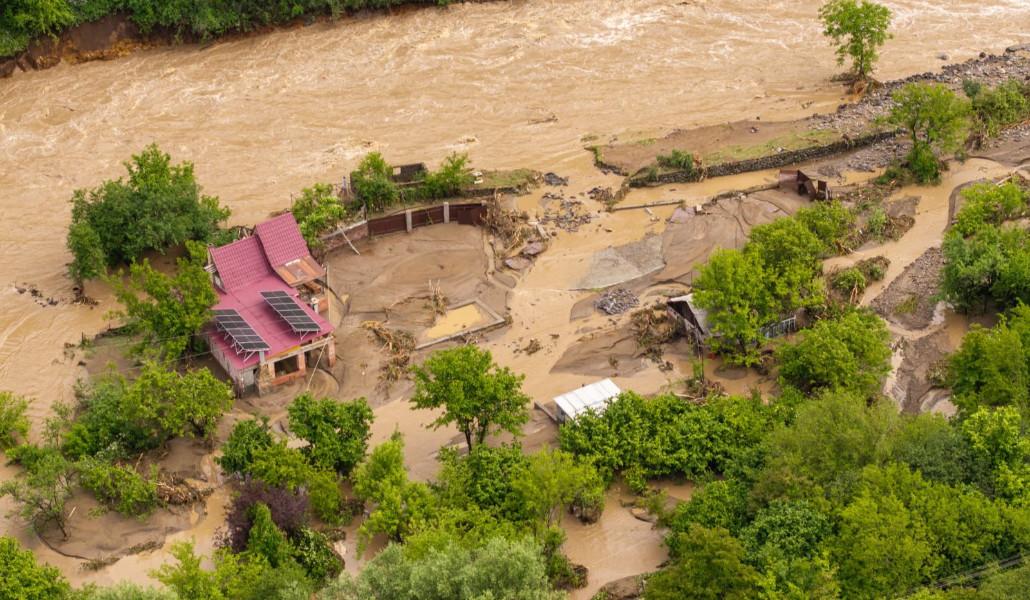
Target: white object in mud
[{"x": 595, "y": 396}]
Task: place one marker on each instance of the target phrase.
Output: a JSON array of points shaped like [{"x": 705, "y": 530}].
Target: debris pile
[
  {"x": 510, "y": 227},
  {"x": 616, "y": 301},
  {"x": 554, "y": 179},
  {"x": 569, "y": 214},
  {"x": 398, "y": 344},
  {"x": 653, "y": 327},
  {"x": 177, "y": 491}
]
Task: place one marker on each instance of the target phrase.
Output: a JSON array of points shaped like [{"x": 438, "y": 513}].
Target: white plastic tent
[{"x": 594, "y": 396}]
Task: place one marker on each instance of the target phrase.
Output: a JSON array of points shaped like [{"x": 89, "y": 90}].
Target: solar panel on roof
[
  {"x": 286, "y": 307},
  {"x": 244, "y": 338}
]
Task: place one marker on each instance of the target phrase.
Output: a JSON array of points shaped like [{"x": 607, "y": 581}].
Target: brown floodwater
[{"x": 514, "y": 84}]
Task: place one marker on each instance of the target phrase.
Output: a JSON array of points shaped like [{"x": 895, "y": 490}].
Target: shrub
[
  {"x": 877, "y": 222},
  {"x": 313, "y": 551},
  {"x": 450, "y": 178},
  {"x": 119, "y": 487},
  {"x": 935, "y": 120},
  {"x": 317, "y": 210},
  {"x": 373, "y": 183},
  {"x": 288, "y": 510},
  {"x": 830, "y": 222},
  {"x": 994, "y": 109},
  {"x": 989, "y": 204},
  {"x": 850, "y": 280},
  {"x": 247, "y": 438},
  {"x": 683, "y": 161},
  {"x": 24, "y": 578},
  {"x": 13, "y": 422}
]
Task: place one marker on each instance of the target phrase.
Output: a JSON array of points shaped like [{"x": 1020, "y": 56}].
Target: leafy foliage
[
  {"x": 677, "y": 159},
  {"x": 850, "y": 352},
  {"x": 131, "y": 417},
  {"x": 476, "y": 395},
  {"x": 13, "y": 422},
  {"x": 24, "y": 578},
  {"x": 935, "y": 119},
  {"x": 317, "y": 210},
  {"x": 498, "y": 569},
  {"x": 858, "y": 29},
  {"x": 373, "y": 183},
  {"x": 994, "y": 109},
  {"x": 710, "y": 564},
  {"x": 246, "y": 439},
  {"x": 555, "y": 481},
  {"x": 337, "y": 432},
  {"x": 992, "y": 366},
  {"x": 288, "y": 511},
  {"x": 453, "y": 175},
  {"x": 158, "y": 206},
  {"x": 167, "y": 311},
  {"x": 400, "y": 505},
  {"x": 119, "y": 487},
  {"x": 40, "y": 495},
  {"x": 665, "y": 436}
]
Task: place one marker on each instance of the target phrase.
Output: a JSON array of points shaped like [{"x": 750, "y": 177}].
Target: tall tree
[
  {"x": 168, "y": 311},
  {"x": 858, "y": 29},
  {"x": 476, "y": 395},
  {"x": 336, "y": 432},
  {"x": 710, "y": 565},
  {"x": 935, "y": 119}
]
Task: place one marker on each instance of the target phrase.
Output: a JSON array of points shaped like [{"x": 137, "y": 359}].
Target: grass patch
[
  {"x": 516, "y": 178},
  {"x": 908, "y": 306},
  {"x": 797, "y": 140}
]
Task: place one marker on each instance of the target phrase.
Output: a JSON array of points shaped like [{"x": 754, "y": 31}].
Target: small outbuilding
[
  {"x": 594, "y": 396},
  {"x": 795, "y": 180}
]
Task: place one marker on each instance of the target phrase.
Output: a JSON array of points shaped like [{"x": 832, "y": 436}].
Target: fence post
[
  {"x": 446, "y": 212},
  {"x": 407, "y": 220}
]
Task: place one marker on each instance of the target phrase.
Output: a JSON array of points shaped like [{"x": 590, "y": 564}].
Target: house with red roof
[{"x": 266, "y": 332}]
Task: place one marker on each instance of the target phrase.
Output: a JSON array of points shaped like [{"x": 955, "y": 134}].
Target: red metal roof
[
  {"x": 245, "y": 268},
  {"x": 240, "y": 263},
  {"x": 281, "y": 240}
]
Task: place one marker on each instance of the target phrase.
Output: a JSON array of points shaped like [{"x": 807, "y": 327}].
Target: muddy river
[{"x": 515, "y": 84}]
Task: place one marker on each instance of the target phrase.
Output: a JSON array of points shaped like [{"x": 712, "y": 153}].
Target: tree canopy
[
  {"x": 859, "y": 29},
  {"x": 936, "y": 121},
  {"x": 475, "y": 394},
  {"x": 158, "y": 206}
]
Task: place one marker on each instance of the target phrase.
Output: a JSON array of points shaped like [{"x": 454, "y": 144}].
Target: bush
[
  {"x": 935, "y": 120},
  {"x": 997, "y": 108},
  {"x": 373, "y": 183},
  {"x": 288, "y": 510},
  {"x": 106, "y": 221},
  {"x": 13, "y": 422},
  {"x": 317, "y": 211},
  {"x": 877, "y": 222},
  {"x": 24, "y": 578},
  {"x": 682, "y": 161},
  {"x": 246, "y": 439},
  {"x": 849, "y": 281},
  {"x": 314, "y": 552},
  {"x": 850, "y": 353},
  {"x": 337, "y": 432},
  {"x": 989, "y": 204},
  {"x": 119, "y": 487},
  {"x": 923, "y": 164},
  {"x": 453, "y": 175},
  {"x": 830, "y": 222}
]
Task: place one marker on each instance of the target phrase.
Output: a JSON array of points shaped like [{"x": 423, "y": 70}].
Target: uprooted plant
[{"x": 398, "y": 345}]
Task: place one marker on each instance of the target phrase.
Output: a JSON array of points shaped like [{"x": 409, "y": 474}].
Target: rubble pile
[
  {"x": 616, "y": 301},
  {"x": 567, "y": 214}
]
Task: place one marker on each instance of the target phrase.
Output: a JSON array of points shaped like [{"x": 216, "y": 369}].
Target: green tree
[
  {"x": 719, "y": 504},
  {"x": 476, "y": 395},
  {"x": 13, "y": 421},
  {"x": 990, "y": 369},
  {"x": 167, "y": 312},
  {"x": 989, "y": 204},
  {"x": 485, "y": 478},
  {"x": 317, "y": 210},
  {"x": 935, "y": 120},
  {"x": 25, "y": 579},
  {"x": 123, "y": 591},
  {"x": 373, "y": 183},
  {"x": 401, "y": 506},
  {"x": 337, "y": 432},
  {"x": 790, "y": 254},
  {"x": 145, "y": 413},
  {"x": 245, "y": 440},
  {"x": 158, "y": 206},
  {"x": 731, "y": 287},
  {"x": 858, "y": 29},
  {"x": 997, "y": 436},
  {"x": 847, "y": 353},
  {"x": 555, "y": 481},
  {"x": 448, "y": 180},
  {"x": 882, "y": 548},
  {"x": 972, "y": 267},
  {"x": 710, "y": 565},
  {"x": 41, "y": 492},
  {"x": 119, "y": 487},
  {"x": 500, "y": 568},
  {"x": 266, "y": 539}
]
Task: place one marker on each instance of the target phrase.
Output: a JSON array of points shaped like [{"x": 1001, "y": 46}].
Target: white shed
[{"x": 594, "y": 396}]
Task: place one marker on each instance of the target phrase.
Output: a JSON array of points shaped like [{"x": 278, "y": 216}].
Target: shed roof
[
  {"x": 700, "y": 314},
  {"x": 593, "y": 396}
]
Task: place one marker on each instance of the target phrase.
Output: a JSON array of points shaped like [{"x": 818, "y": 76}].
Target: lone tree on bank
[
  {"x": 936, "y": 121},
  {"x": 858, "y": 29},
  {"x": 475, "y": 394}
]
